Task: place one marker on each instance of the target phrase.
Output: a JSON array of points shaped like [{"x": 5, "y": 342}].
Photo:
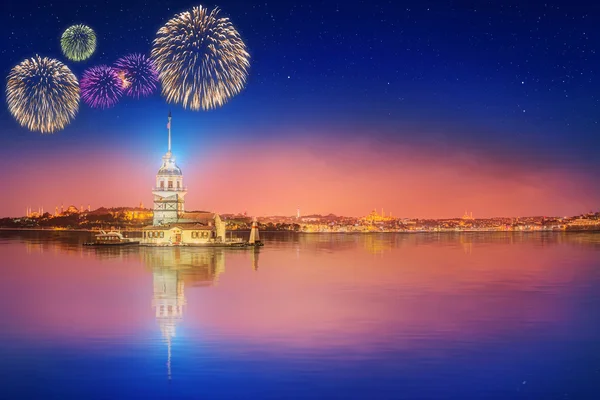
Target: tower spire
[{"x": 169, "y": 128}]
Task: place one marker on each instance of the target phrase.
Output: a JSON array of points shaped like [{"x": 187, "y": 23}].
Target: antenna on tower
[{"x": 169, "y": 128}]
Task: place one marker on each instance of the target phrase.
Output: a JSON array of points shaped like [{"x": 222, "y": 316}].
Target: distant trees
[
  {"x": 74, "y": 221},
  {"x": 9, "y": 223},
  {"x": 63, "y": 221}
]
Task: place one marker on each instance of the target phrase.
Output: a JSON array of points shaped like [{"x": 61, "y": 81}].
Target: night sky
[{"x": 424, "y": 108}]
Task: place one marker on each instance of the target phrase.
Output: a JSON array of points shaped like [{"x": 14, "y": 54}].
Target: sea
[{"x": 307, "y": 316}]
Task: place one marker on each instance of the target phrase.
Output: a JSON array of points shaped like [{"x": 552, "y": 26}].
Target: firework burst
[
  {"x": 138, "y": 75},
  {"x": 42, "y": 94},
  {"x": 201, "y": 60},
  {"x": 101, "y": 87},
  {"x": 78, "y": 42}
]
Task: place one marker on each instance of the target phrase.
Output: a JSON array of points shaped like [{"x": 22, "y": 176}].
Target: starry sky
[{"x": 423, "y": 108}]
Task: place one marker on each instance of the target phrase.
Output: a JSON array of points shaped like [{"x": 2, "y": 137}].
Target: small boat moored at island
[{"x": 112, "y": 238}]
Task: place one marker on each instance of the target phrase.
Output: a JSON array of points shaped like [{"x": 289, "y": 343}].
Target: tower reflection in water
[{"x": 172, "y": 270}]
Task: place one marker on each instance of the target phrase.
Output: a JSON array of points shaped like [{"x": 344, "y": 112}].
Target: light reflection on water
[{"x": 352, "y": 316}]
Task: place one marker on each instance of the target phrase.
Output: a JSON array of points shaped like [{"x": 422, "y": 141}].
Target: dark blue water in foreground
[{"x": 472, "y": 316}]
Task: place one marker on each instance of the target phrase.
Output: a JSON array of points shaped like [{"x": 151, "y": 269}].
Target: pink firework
[
  {"x": 138, "y": 75},
  {"x": 101, "y": 87}
]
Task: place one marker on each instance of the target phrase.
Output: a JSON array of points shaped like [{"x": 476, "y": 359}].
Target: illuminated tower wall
[{"x": 169, "y": 191}]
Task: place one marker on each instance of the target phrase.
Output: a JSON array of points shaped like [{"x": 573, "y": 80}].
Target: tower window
[
  {"x": 178, "y": 185},
  {"x": 162, "y": 184},
  {"x": 170, "y": 184}
]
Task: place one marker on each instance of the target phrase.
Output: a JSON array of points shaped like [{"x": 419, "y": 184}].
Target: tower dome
[{"x": 169, "y": 168}]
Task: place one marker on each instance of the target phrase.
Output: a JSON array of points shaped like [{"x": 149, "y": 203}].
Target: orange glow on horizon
[{"x": 350, "y": 179}]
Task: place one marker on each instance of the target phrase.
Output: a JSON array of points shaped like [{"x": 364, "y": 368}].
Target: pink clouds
[
  {"x": 353, "y": 178},
  {"x": 319, "y": 176}
]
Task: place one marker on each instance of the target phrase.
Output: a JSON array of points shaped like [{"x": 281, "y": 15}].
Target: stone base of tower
[
  {"x": 168, "y": 207},
  {"x": 165, "y": 217},
  {"x": 209, "y": 233}
]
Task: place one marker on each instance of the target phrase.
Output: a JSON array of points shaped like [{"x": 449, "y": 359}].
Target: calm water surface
[{"x": 472, "y": 316}]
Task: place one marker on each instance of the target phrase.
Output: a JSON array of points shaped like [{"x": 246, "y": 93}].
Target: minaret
[{"x": 169, "y": 191}]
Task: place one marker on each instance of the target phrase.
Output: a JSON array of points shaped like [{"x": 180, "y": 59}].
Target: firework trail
[
  {"x": 138, "y": 75},
  {"x": 101, "y": 87},
  {"x": 78, "y": 42},
  {"x": 42, "y": 94},
  {"x": 201, "y": 59}
]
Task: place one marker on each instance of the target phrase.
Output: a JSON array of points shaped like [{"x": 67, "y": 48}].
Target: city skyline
[
  {"x": 146, "y": 213},
  {"x": 346, "y": 108}
]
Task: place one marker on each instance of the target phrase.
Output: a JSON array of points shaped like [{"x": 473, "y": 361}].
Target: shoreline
[
  {"x": 47, "y": 230},
  {"x": 595, "y": 229}
]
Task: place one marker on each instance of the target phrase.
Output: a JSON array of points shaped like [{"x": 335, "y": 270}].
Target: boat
[{"x": 112, "y": 238}]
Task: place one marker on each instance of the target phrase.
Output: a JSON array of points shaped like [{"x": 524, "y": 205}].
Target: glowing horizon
[{"x": 321, "y": 177}]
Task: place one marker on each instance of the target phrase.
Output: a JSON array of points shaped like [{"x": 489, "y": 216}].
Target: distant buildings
[
  {"x": 373, "y": 217},
  {"x": 34, "y": 214}
]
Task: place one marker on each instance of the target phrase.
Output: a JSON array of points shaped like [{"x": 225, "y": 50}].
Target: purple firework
[
  {"x": 101, "y": 87},
  {"x": 138, "y": 74}
]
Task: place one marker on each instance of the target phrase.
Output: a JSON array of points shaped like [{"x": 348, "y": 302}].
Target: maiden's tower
[
  {"x": 171, "y": 224},
  {"x": 169, "y": 192}
]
